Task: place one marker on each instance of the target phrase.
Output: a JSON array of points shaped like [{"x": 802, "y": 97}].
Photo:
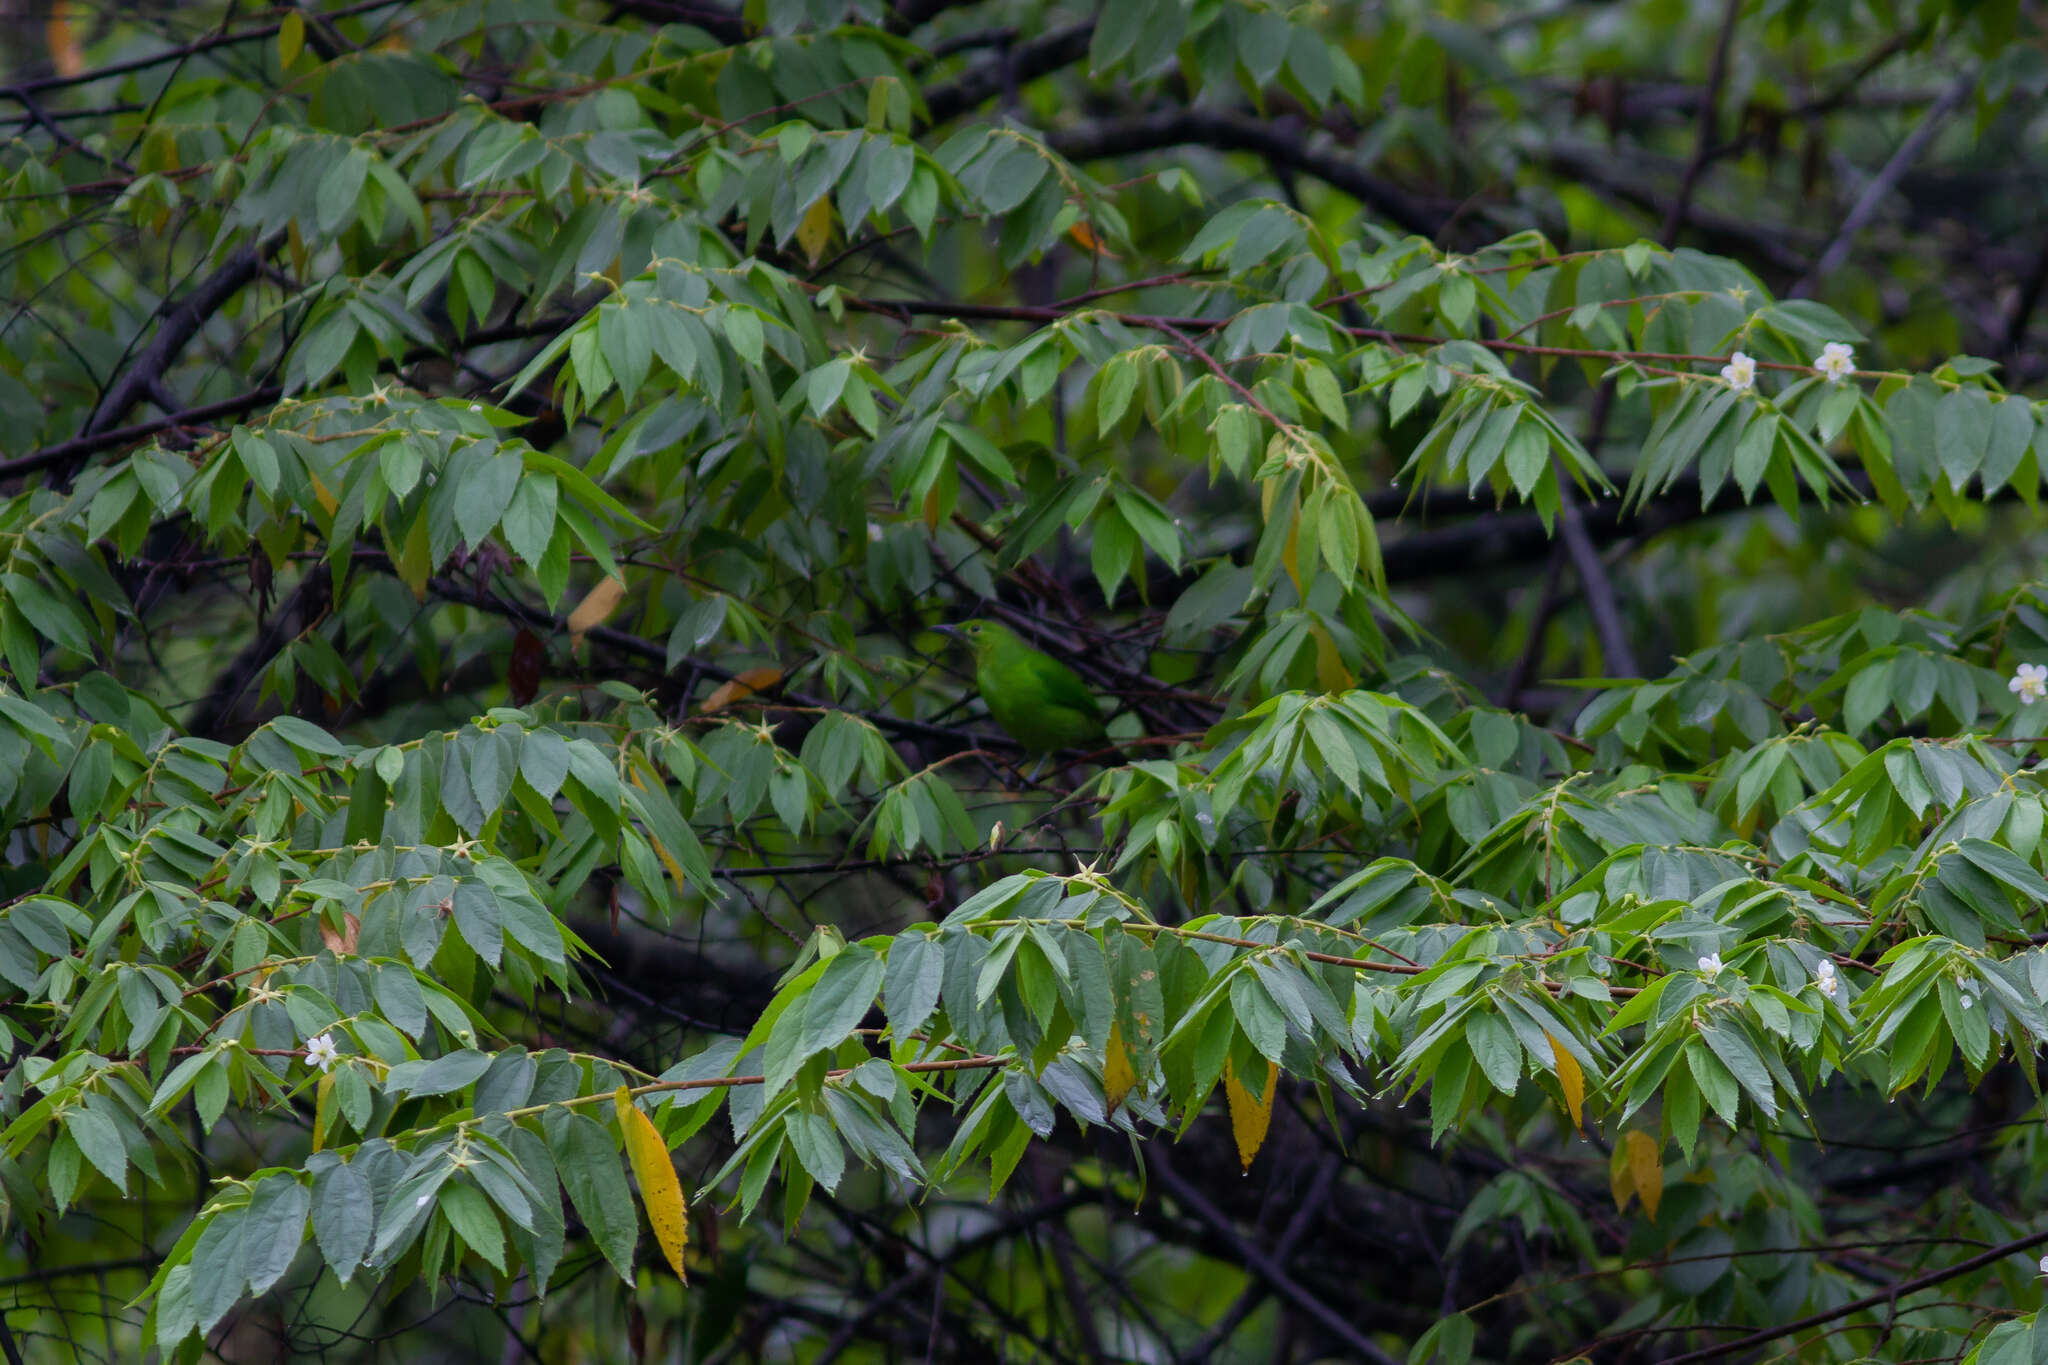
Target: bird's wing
[{"x": 1061, "y": 686}]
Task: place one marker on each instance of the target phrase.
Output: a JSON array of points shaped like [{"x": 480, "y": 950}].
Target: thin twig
[{"x": 1837, "y": 251}]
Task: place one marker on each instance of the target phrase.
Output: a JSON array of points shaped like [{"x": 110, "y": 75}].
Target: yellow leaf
[
  {"x": 1646, "y": 1169},
  {"x": 1118, "y": 1075},
  {"x": 323, "y": 1108},
  {"x": 327, "y": 500},
  {"x": 597, "y": 604},
  {"x": 745, "y": 685},
  {"x": 660, "y": 1191},
  {"x": 67, "y": 54},
  {"x": 1249, "y": 1118},
  {"x": 1570, "y": 1079},
  {"x": 816, "y": 229},
  {"x": 1085, "y": 238},
  {"x": 291, "y": 36},
  {"x": 1619, "y": 1182}
]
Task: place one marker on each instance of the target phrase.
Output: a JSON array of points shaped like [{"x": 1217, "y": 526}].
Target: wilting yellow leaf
[
  {"x": 1646, "y": 1169},
  {"x": 328, "y": 502},
  {"x": 745, "y": 685},
  {"x": 1619, "y": 1182},
  {"x": 1249, "y": 1118},
  {"x": 67, "y": 54},
  {"x": 597, "y": 604},
  {"x": 1118, "y": 1075},
  {"x": 291, "y": 36},
  {"x": 816, "y": 229},
  {"x": 1571, "y": 1080},
  {"x": 1085, "y": 238},
  {"x": 660, "y": 1191},
  {"x": 323, "y": 1108}
]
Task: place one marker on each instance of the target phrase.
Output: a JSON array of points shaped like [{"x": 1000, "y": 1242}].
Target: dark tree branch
[
  {"x": 1710, "y": 105},
  {"x": 656, "y": 656},
  {"x": 63, "y": 452},
  {"x": 178, "y": 324},
  {"x": 2014, "y": 340},
  {"x": 175, "y": 54},
  {"x": 1889, "y": 1295},
  {"x": 1259, "y": 1263},
  {"x": 1313, "y": 1207},
  {"x": 217, "y": 708},
  {"x": 1539, "y": 623},
  {"x": 1284, "y": 143},
  {"x": 1617, "y": 658},
  {"x": 1837, "y": 251},
  {"x": 716, "y": 20},
  {"x": 909, "y": 14},
  {"x": 1597, "y": 169},
  {"x": 1023, "y": 63},
  {"x": 79, "y": 447}
]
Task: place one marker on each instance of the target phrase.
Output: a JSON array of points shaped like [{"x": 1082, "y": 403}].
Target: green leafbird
[{"x": 1039, "y": 701}]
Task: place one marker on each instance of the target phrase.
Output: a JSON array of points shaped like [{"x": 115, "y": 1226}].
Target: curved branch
[
  {"x": 179, "y": 324},
  {"x": 1026, "y": 62},
  {"x": 1887, "y": 1295},
  {"x": 1264, "y": 1266},
  {"x": 1277, "y": 142}
]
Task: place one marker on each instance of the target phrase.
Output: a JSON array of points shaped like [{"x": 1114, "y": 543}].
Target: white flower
[
  {"x": 1710, "y": 965},
  {"x": 321, "y": 1051},
  {"x": 2044, "y": 1265},
  {"x": 1837, "y": 360},
  {"x": 476, "y": 407},
  {"x": 2031, "y": 682},
  {"x": 1824, "y": 977},
  {"x": 1740, "y": 372}
]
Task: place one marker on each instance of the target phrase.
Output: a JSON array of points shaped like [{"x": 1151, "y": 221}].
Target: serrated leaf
[
  {"x": 1250, "y": 1117},
  {"x": 660, "y": 1191},
  {"x": 1645, "y": 1156},
  {"x": 1570, "y": 1079}
]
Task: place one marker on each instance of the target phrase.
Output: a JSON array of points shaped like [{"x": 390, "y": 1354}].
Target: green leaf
[
  {"x": 99, "y": 1141},
  {"x": 842, "y": 997},
  {"x": 590, "y": 1171},
  {"x": 342, "y": 1218}
]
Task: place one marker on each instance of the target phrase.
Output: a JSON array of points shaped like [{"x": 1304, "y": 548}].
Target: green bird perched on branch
[{"x": 1039, "y": 701}]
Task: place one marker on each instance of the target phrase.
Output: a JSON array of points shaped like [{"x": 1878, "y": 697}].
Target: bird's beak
[{"x": 953, "y": 631}]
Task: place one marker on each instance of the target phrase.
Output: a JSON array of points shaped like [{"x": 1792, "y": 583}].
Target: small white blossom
[
  {"x": 1824, "y": 977},
  {"x": 1740, "y": 372},
  {"x": 321, "y": 1051},
  {"x": 2044, "y": 1265},
  {"x": 476, "y": 407},
  {"x": 2031, "y": 682},
  {"x": 1710, "y": 965},
  {"x": 1968, "y": 999},
  {"x": 1837, "y": 360}
]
